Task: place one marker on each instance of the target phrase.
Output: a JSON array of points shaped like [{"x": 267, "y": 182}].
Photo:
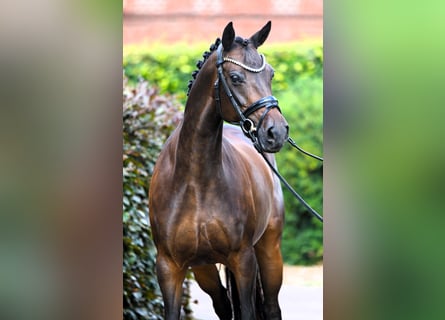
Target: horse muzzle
[{"x": 273, "y": 134}]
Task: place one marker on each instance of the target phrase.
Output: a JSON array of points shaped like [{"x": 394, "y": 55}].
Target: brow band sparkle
[{"x": 247, "y": 67}]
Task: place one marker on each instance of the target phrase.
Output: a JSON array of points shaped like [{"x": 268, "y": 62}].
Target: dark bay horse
[{"x": 213, "y": 199}]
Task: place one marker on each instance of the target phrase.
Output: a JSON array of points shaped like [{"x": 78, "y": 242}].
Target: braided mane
[{"x": 200, "y": 63}]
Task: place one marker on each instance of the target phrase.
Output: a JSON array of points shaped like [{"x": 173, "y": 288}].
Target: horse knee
[{"x": 272, "y": 312}]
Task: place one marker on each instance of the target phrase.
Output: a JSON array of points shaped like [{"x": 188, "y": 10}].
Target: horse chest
[{"x": 215, "y": 219}]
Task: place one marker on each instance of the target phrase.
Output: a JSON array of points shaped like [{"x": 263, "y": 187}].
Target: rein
[
  {"x": 295, "y": 193},
  {"x": 247, "y": 125}
]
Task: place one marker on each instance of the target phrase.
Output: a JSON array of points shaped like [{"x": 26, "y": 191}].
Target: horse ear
[
  {"x": 228, "y": 36},
  {"x": 258, "y": 38}
]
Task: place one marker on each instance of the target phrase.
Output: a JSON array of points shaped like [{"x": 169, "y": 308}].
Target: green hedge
[
  {"x": 298, "y": 86},
  {"x": 303, "y": 235}
]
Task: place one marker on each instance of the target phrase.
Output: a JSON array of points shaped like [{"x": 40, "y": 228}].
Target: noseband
[{"x": 247, "y": 125}]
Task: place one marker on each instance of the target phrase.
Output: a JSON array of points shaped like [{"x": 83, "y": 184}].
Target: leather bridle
[{"x": 247, "y": 125}]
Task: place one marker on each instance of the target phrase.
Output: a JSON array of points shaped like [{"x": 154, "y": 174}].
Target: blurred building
[{"x": 147, "y": 21}]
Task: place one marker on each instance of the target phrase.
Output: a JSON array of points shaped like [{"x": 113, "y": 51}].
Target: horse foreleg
[
  {"x": 208, "y": 279},
  {"x": 244, "y": 268},
  {"x": 270, "y": 262},
  {"x": 170, "y": 278}
]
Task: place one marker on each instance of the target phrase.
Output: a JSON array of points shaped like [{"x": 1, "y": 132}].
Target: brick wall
[{"x": 146, "y": 21}]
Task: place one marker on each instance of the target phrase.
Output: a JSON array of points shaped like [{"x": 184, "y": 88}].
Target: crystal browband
[{"x": 247, "y": 67}]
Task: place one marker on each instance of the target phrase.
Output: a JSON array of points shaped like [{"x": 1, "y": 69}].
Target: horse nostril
[{"x": 270, "y": 133}]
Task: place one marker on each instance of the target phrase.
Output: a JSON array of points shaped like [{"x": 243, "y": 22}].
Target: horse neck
[{"x": 200, "y": 138}]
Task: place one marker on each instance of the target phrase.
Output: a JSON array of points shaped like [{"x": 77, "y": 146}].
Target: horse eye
[{"x": 236, "y": 78}]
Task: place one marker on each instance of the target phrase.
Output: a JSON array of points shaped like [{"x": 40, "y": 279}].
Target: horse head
[{"x": 246, "y": 78}]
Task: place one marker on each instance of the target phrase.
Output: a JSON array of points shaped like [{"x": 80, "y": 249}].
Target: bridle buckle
[{"x": 248, "y": 127}]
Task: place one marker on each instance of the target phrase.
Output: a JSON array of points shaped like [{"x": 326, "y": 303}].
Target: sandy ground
[{"x": 301, "y": 296}]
